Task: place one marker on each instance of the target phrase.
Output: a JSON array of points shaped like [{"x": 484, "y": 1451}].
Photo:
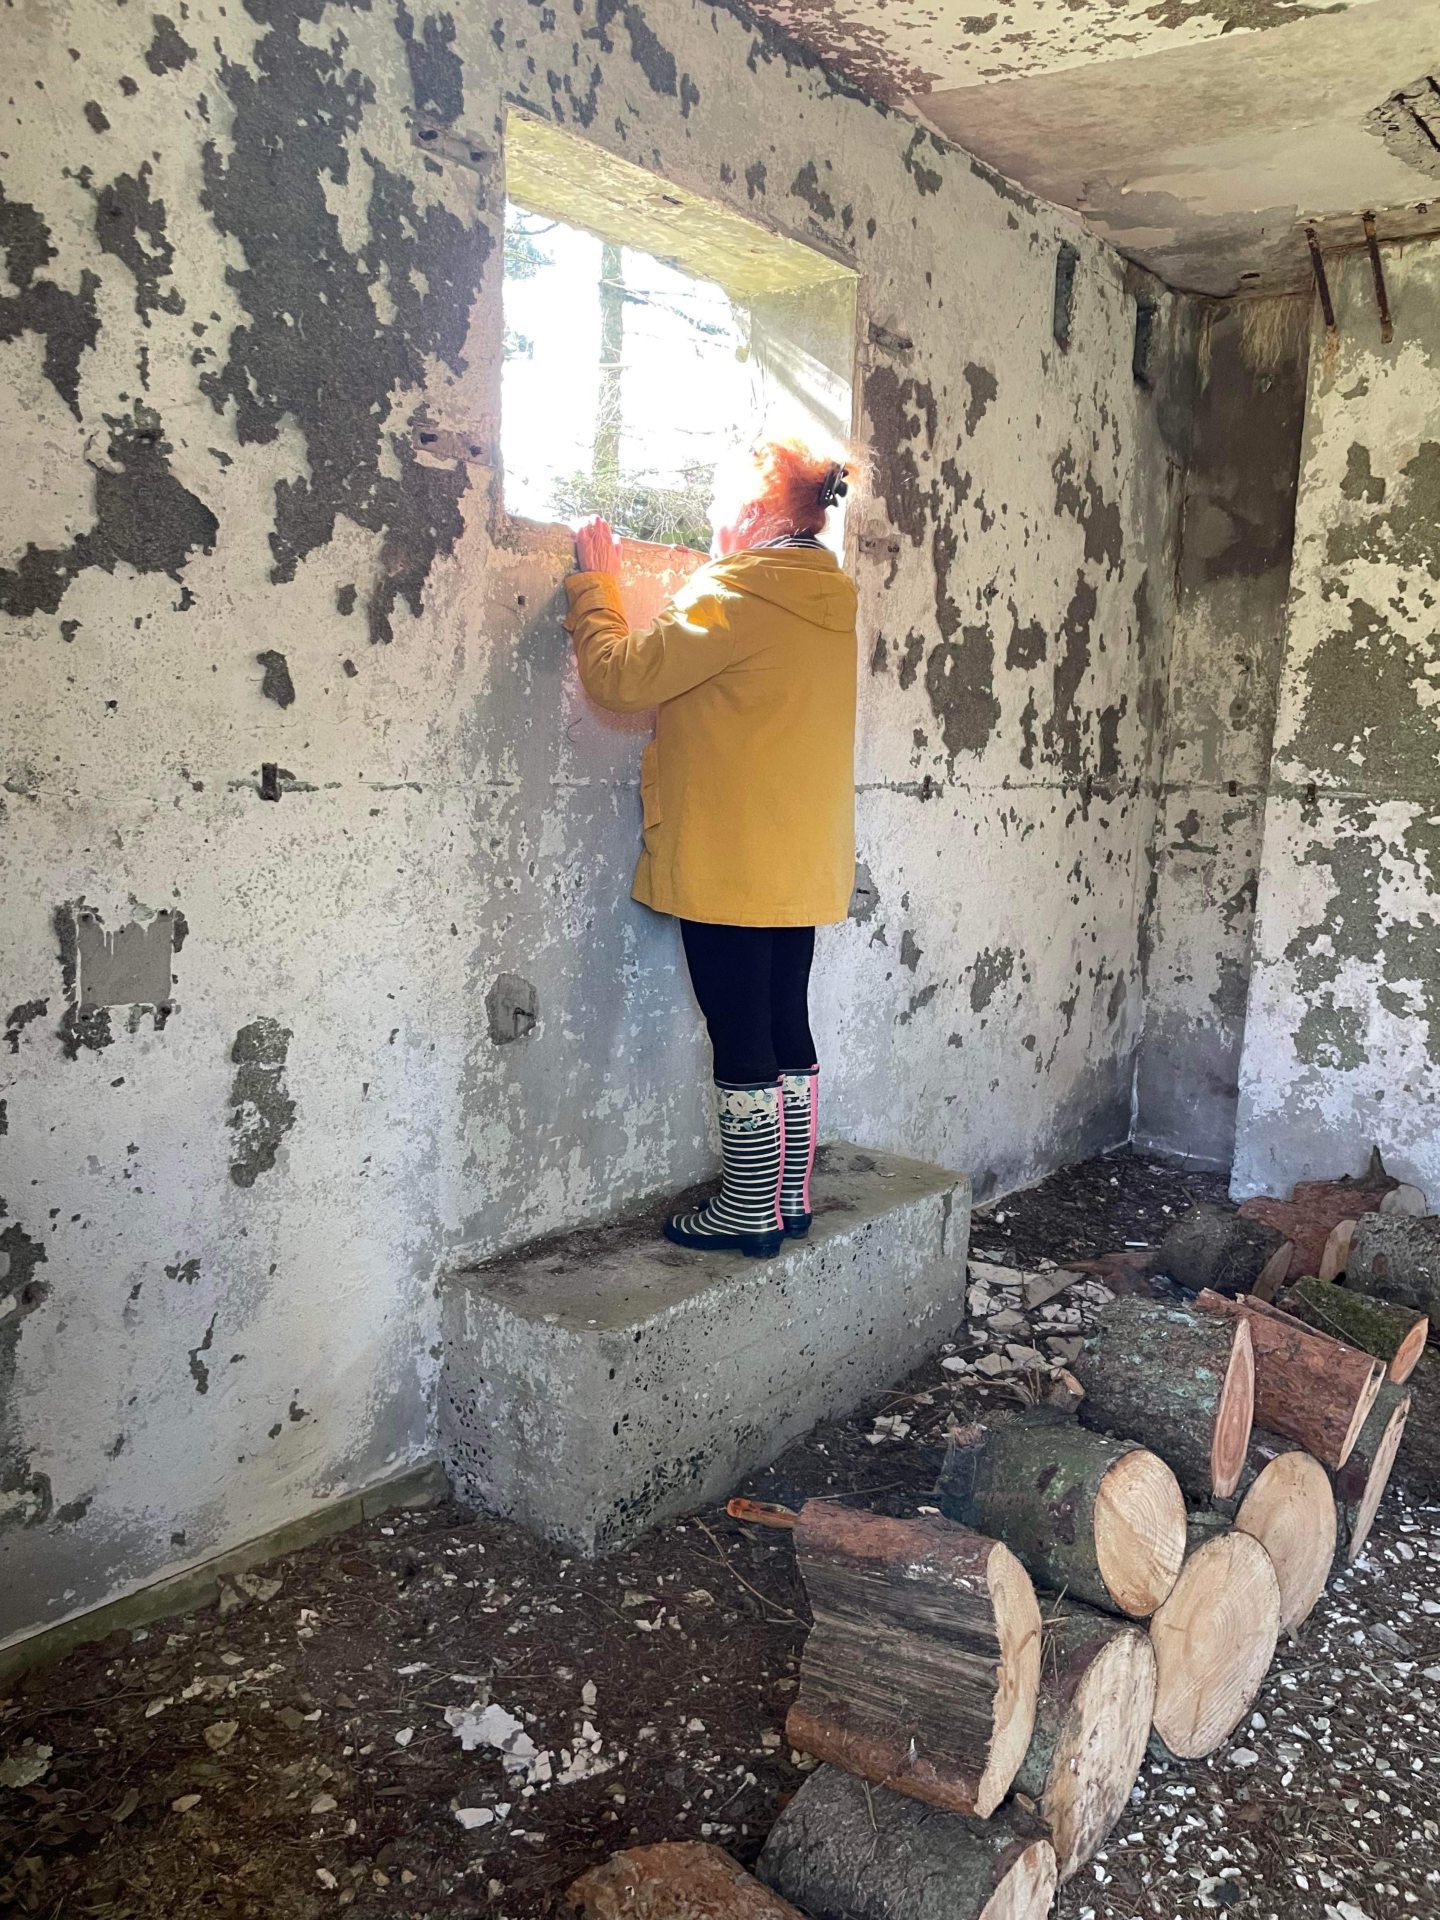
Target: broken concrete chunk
[
  {"x": 1026, "y": 1356},
  {"x": 988, "y": 1275},
  {"x": 1045, "y": 1286}
]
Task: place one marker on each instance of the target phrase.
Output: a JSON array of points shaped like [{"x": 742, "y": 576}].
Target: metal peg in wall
[
  {"x": 1322, "y": 284},
  {"x": 1382, "y": 298}
]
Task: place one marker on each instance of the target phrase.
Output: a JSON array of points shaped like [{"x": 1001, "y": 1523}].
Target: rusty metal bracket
[
  {"x": 1322, "y": 285},
  {"x": 450, "y": 143},
  {"x": 1382, "y": 298}
]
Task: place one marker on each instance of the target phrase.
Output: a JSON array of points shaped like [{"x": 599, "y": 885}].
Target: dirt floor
[{"x": 324, "y": 1737}]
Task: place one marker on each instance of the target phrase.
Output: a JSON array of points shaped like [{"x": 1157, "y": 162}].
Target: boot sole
[
  {"x": 797, "y": 1229},
  {"x": 756, "y": 1246}
]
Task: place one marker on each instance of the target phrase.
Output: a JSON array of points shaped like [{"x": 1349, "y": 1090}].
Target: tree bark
[
  {"x": 1098, "y": 1519},
  {"x": 1308, "y": 1386},
  {"x": 1092, "y": 1723},
  {"x": 608, "y": 422},
  {"x": 1288, "y": 1506},
  {"x": 1397, "y": 1257},
  {"x": 843, "y": 1850},
  {"x": 1213, "y": 1247},
  {"x": 1394, "y": 1335},
  {"x": 1165, "y": 1377},
  {"x": 1361, "y": 1482},
  {"x": 1418, "y": 1469},
  {"x": 1214, "y": 1639},
  {"x": 923, "y": 1664},
  {"x": 677, "y": 1880}
]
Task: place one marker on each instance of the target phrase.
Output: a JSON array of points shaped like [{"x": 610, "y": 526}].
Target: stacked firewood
[{"x": 982, "y": 1680}]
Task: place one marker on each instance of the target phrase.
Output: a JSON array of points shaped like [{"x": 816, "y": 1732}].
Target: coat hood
[{"x": 806, "y": 582}]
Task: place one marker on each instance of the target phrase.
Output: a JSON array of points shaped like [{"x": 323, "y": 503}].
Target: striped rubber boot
[
  {"x": 799, "y": 1094},
  {"x": 744, "y": 1217}
]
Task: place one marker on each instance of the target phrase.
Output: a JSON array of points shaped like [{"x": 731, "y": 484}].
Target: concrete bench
[{"x": 600, "y": 1381}]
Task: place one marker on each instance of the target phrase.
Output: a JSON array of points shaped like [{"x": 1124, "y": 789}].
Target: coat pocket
[{"x": 650, "y": 789}]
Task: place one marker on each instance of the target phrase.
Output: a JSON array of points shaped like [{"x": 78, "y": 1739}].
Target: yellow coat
[{"x": 748, "y": 789}]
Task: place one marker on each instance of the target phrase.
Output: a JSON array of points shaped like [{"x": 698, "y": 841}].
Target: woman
[{"x": 748, "y": 798}]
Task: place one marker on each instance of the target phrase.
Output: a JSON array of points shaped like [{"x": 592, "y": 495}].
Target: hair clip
[{"x": 834, "y": 486}]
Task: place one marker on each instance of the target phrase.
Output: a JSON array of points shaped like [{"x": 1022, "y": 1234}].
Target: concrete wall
[
  {"x": 1237, "y": 529},
  {"x": 264, "y": 1067},
  {"x": 1342, "y": 1044}
]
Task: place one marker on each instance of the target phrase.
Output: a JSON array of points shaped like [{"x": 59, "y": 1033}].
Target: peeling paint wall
[
  {"x": 1237, "y": 530},
  {"x": 1342, "y": 1043},
  {"x": 955, "y": 43},
  {"x": 280, "y": 673}
]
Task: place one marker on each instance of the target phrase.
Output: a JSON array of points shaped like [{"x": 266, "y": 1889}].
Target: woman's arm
[{"x": 629, "y": 671}]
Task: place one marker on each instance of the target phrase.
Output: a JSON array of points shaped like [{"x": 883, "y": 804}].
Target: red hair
[{"x": 781, "y": 487}]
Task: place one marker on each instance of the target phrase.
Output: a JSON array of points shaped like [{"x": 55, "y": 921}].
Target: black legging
[{"x": 753, "y": 986}]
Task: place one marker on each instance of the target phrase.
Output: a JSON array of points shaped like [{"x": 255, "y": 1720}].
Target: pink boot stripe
[{"x": 810, "y": 1156}]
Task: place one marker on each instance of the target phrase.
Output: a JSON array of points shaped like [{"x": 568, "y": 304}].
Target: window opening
[
  {"x": 647, "y": 332},
  {"x": 625, "y": 381}
]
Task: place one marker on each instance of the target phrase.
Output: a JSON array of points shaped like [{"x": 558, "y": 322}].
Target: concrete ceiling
[{"x": 1201, "y": 136}]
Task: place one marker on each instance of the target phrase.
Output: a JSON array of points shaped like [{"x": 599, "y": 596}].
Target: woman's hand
[{"x": 596, "y": 547}]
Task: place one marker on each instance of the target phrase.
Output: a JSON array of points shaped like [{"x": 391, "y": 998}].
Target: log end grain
[
  {"x": 1214, "y": 1639},
  {"x": 1017, "y": 1626},
  {"x": 1139, "y": 1531},
  {"x": 1234, "y": 1416},
  {"x": 1372, "y": 1468},
  {"x": 1407, "y": 1355},
  {"x": 1290, "y": 1510},
  {"x": 1336, "y": 1256},
  {"x": 1099, "y": 1747},
  {"x": 1027, "y": 1891},
  {"x": 1363, "y": 1404},
  {"x": 677, "y": 1880}
]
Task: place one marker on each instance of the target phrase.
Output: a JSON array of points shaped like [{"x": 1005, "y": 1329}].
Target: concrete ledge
[{"x": 598, "y": 1382}]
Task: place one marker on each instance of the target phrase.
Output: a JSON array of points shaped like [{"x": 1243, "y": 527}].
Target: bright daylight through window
[
  {"x": 625, "y": 380},
  {"x": 646, "y": 332}
]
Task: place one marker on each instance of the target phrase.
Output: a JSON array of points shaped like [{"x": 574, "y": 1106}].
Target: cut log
[
  {"x": 1393, "y": 1335},
  {"x": 1289, "y": 1507},
  {"x": 1308, "y": 1386},
  {"x": 843, "y": 1850},
  {"x": 1097, "y": 1700},
  {"x": 677, "y": 1880},
  {"x": 1098, "y": 1519},
  {"x": 1362, "y": 1480},
  {"x": 1312, "y": 1213},
  {"x": 1396, "y": 1257},
  {"x": 1419, "y": 1464},
  {"x": 1337, "y": 1250},
  {"x": 1217, "y": 1248},
  {"x": 1214, "y": 1639},
  {"x": 922, "y": 1667},
  {"x": 1165, "y": 1377}
]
